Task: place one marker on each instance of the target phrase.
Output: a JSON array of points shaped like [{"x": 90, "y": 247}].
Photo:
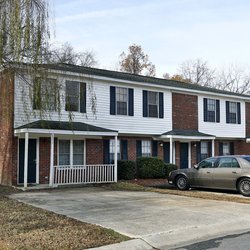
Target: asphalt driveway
[{"x": 160, "y": 220}]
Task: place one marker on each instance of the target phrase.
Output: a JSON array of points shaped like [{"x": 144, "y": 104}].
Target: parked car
[{"x": 230, "y": 172}]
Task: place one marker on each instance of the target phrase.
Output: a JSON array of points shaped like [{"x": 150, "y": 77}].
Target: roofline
[
  {"x": 165, "y": 83},
  {"x": 63, "y": 132}
]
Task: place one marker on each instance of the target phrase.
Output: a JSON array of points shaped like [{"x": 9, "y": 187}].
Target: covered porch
[
  {"x": 185, "y": 146},
  {"x": 63, "y": 153}
]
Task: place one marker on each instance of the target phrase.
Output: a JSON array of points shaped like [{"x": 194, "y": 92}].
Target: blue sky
[{"x": 169, "y": 31}]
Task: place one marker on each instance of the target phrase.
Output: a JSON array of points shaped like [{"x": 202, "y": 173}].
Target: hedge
[{"x": 126, "y": 170}]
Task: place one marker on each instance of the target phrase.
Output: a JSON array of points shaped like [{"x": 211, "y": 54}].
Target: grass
[
  {"x": 27, "y": 227},
  {"x": 211, "y": 195}
]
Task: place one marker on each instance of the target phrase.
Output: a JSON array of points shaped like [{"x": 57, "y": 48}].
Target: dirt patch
[{"x": 27, "y": 227}]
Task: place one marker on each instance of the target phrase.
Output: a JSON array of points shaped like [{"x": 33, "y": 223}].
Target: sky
[{"x": 169, "y": 31}]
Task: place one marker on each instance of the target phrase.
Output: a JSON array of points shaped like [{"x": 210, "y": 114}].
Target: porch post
[
  {"x": 213, "y": 148},
  {"x": 51, "y": 176},
  {"x": 171, "y": 150},
  {"x": 115, "y": 160},
  {"x": 84, "y": 152},
  {"x": 26, "y": 155},
  {"x": 189, "y": 154}
]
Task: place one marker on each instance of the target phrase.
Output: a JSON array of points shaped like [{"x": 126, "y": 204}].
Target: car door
[
  {"x": 203, "y": 175},
  {"x": 226, "y": 173}
]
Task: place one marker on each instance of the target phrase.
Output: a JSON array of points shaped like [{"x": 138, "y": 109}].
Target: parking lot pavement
[{"x": 162, "y": 221}]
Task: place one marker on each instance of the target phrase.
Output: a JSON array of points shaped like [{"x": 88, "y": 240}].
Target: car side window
[
  {"x": 207, "y": 163},
  {"x": 228, "y": 162}
]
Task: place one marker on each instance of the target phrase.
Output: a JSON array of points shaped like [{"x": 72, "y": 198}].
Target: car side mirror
[{"x": 196, "y": 166}]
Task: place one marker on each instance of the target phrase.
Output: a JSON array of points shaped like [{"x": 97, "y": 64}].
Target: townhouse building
[{"x": 96, "y": 117}]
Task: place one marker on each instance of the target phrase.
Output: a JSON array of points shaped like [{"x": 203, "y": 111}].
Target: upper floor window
[
  {"x": 153, "y": 104},
  {"x": 75, "y": 96},
  {"x": 233, "y": 112},
  {"x": 45, "y": 94},
  {"x": 121, "y": 101},
  {"x": 211, "y": 110}
]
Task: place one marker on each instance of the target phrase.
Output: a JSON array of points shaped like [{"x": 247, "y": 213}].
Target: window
[
  {"x": 146, "y": 148},
  {"x": 75, "y": 96},
  {"x": 64, "y": 152},
  {"x": 208, "y": 163},
  {"x": 226, "y": 148},
  {"x": 45, "y": 94},
  {"x": 228, "y": 162},
  {"x": 233, "y": 112},
  {"x": 121, "y": 101},
  {"x": 153, "y": 104},
  {"x": 112, "y": 150},
  {"x": 71, "y": 152},
  {"x": 211, "y": 110},
  {"x": 204, "y": 150}
]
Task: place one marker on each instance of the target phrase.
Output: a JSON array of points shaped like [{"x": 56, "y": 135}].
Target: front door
[
  {"x": 166, "y": 152},
  {"x": 184, "y": 155},
  {"x": 31, "y": 161}
]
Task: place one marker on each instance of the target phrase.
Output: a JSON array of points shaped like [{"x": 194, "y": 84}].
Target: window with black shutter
[
  {"x": 233, "y": 112},
  {"x": 153, "y": 104},
  {"x": 211, "y": 110}
]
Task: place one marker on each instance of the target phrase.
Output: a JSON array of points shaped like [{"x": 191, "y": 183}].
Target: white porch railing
[{"x": 64, "y": 175}]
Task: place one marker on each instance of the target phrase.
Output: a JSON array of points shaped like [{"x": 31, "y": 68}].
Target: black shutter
[
  {"x": 231, "y": 148},
  {"x": 205, "y": 109},
  {"x": 145, "y": 103},
  {"x": 124, "y": 148},
  {"x": 112, "y": 100},
  {"x": 138, "y": 148},
  {"x": 106, "y": 156},
  {"x": 198, "y": 152},
  {"x": 82, "y": 97},
  {"x": 209, "y": 149},
  {"x": 220, "y": 148},
  {"x": 227, "y": 111},
  {"x": 130, "y": 102},
  {"x": 161, "y": 105},
  {"x": 154, "y": 148},
  {"x": 238, "y": 113},
  {"x": 217, "y": 110}
]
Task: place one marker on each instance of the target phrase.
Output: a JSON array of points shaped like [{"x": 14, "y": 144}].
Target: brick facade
[
  {"x": 8, "y": 144},
  {"x": 185, "y": 108}
]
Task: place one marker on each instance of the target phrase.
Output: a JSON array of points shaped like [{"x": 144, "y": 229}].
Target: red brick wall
[
  {"x": 8, "y": 156},
  {"x": 94, "y": 151},
  {"x": 185, "y": 111}
]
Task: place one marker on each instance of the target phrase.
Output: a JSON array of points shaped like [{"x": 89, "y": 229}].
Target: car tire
[
  {"x": 244, "y": 186},
  {"x": 182, "y": 182}
]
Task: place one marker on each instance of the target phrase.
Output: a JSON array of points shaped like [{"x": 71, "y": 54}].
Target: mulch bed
[{"x": 149, "y": 182}]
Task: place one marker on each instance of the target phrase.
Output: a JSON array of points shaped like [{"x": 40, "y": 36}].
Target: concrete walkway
[{"x": 155, "y": 220}]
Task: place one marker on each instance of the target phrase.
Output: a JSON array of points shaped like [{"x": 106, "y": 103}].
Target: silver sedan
[{"x": 221, "y": 172}]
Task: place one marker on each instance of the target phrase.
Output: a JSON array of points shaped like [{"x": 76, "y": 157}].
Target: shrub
[
  {"x": 150, "y": 167},
  {"x": 169, "y": 167},
  {"x": 126, "y": 170}
]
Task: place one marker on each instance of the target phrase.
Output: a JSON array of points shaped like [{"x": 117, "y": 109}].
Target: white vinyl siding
[
  {"x": 101, "y": 90},
  {"x": 221, "y": 129}
]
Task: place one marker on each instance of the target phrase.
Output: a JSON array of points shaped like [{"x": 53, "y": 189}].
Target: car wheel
[
  {"x": 244, "y": 186},
  {"x": 182, "y": 183}
]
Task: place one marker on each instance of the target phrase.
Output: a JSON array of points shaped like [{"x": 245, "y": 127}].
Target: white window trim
[
  {"x": 116, "y": 113},
  {"x": 158, "y": 104}
]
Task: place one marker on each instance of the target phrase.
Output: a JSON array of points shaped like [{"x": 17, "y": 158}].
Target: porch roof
[
  {"x": 62, "y": 127},
  {"x": 187, "y": 134}
]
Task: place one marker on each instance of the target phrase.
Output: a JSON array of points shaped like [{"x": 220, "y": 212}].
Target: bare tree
[
  {"x": 67, "y": 54},
  {"x": 24, "y": 30},
  {"x": 136, "y": 62},
  {"x": 197, "y": 72},
  {"x": 233, "y": 79}
]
